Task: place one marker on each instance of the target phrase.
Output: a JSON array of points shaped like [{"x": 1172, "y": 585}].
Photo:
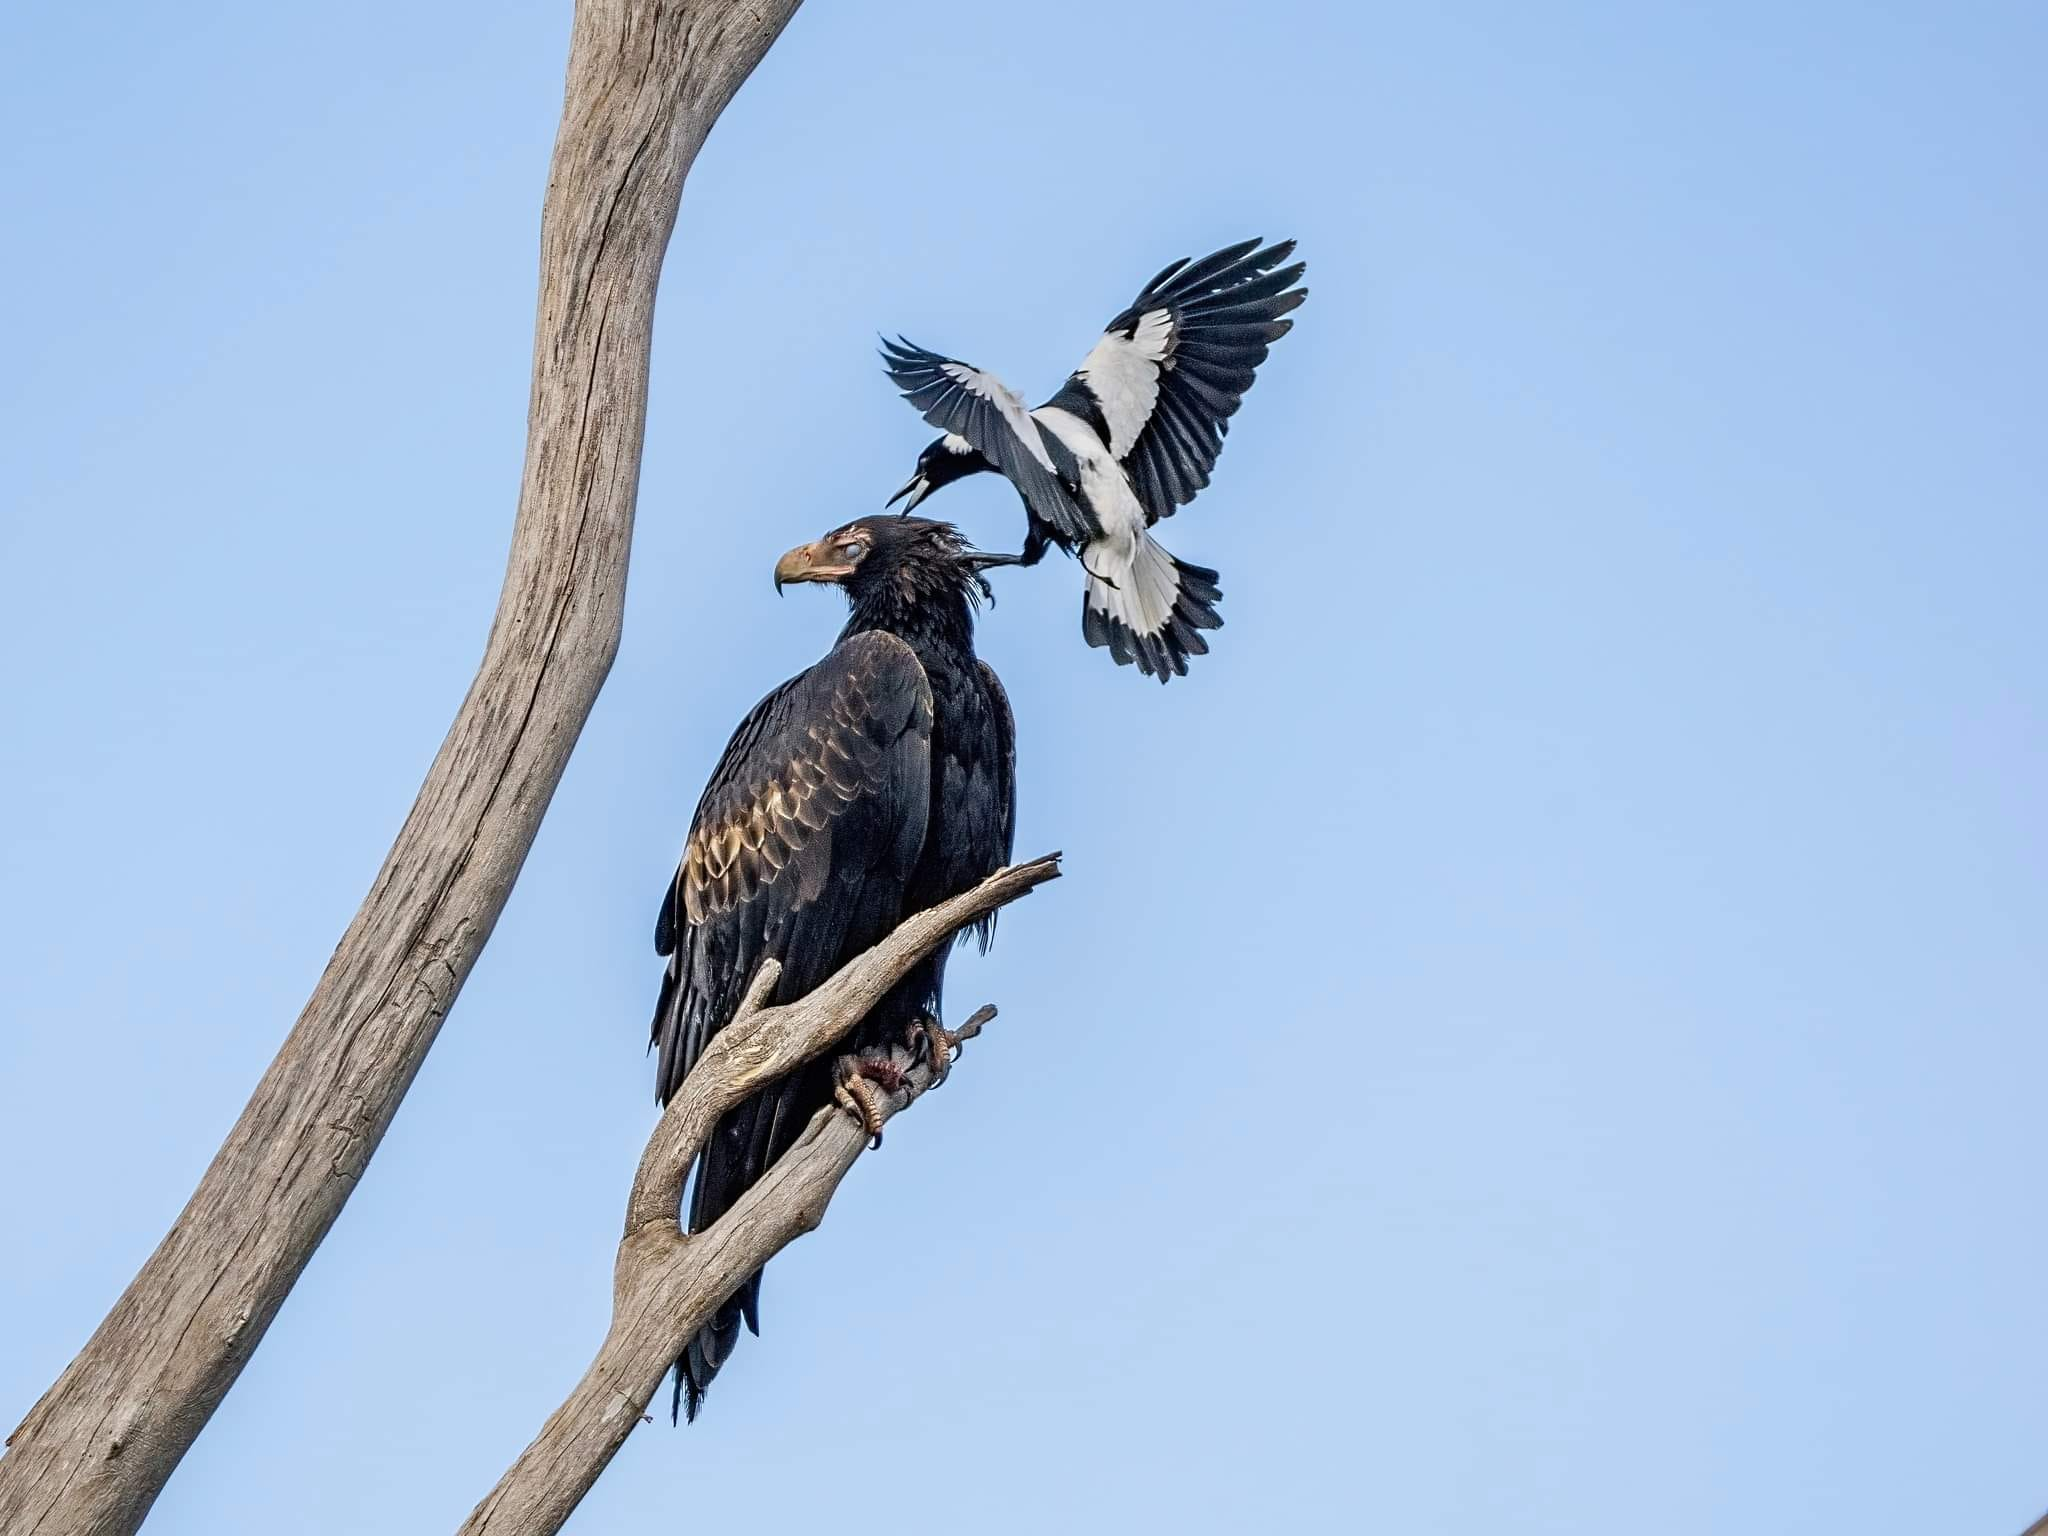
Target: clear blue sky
[{"x": 1544, "y": 1030}]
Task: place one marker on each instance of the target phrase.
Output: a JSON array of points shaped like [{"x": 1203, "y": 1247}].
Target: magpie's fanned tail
[{"x": 1146, "y": 607}]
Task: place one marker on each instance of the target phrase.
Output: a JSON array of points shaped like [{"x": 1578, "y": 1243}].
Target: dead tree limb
[
  {"x": 666, "y": 1285},
  {"x": 646, "y": 80}
]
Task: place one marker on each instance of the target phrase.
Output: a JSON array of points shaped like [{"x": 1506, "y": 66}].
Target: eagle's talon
[
  {"x": 859, "y": 1077},
  {"x": 856, "y": 1096},
  {"x": 930, "y": 1041}
]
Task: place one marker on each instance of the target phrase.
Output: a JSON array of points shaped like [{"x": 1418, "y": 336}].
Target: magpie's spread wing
[
  {"x": 803, "y": 842},
  {"x": 959, "y": 398},
  {"x": 1166, "y": 377}
]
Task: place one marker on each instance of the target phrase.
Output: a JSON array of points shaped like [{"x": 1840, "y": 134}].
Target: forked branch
[{"x": 666, "y": 1285}]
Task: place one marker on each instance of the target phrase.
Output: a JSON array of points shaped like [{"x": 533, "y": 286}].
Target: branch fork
[{"x": 665, "y": 1284}]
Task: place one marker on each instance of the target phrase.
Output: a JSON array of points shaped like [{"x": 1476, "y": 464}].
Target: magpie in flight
[{"x": 1130, "y": 437}]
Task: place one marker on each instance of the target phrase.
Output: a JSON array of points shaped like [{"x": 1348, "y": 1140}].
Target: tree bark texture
[
  {"x": 646, "y": 80},
  {"x": 665, "y": 1285}
]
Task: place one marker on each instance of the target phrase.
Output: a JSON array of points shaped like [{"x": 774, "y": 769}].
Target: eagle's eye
[{"x": 850, "y": 549}]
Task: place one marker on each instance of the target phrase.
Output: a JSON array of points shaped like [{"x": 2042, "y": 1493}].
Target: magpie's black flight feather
[
  {"x": 876, "y": 783},
  {"x": 1132, "y": 436},
  {"x": 1222, "y": 316},
  {"x": 960, "y": 399}
]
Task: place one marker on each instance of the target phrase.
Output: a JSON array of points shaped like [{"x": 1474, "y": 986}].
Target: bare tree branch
[
  {"x": 665, "y": 1285},
  {"x": 646, "y": 81}
]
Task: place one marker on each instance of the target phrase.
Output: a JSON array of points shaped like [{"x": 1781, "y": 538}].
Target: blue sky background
[{"x": 1543, "y": 1030}]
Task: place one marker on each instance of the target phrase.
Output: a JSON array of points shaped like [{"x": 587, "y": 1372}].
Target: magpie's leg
[
  {"x": 1083, "y": 558},
  {"x": 855, "y": 1090}
]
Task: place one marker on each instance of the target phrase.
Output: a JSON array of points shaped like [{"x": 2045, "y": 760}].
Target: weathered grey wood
[
  {"x": 665, "y": 1285},
  {"x": 646, "y": 80}
]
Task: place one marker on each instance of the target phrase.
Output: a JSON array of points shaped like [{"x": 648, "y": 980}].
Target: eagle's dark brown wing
[
  {"x": 802, "y": 842},
  {"x": 800, "y": 851}
]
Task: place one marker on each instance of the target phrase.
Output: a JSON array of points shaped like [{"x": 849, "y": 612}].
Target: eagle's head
[{"x": 906, "y": 559}]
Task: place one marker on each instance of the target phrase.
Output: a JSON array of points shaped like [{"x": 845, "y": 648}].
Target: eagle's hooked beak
[
  {"x": 809, "y": 562},
  {"x": 916, "y": 488}
]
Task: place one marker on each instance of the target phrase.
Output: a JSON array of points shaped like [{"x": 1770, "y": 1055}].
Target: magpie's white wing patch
[
  {"x": 1171, "y": 370},
  {"x": 992, "y": 389},
  {"x": 975, "y": 405},
  {"x": 1122, "y": 372}
]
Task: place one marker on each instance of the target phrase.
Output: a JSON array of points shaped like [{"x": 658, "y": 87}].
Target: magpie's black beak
[
  {"x": 916, "y": 488},
  {"x": 982, "y": 560}
]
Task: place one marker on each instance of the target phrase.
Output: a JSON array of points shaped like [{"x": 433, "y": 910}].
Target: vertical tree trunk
[{"x": 646, "y": 80}]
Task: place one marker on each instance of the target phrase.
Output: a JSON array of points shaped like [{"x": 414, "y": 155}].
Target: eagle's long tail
[
  {"x": 721, "y": 1180},
  {"x": 1145, "y": 605},
  {"x": 740, "y": 1148},
  {"x": 719, "y": 1184},
  {"x": 746, "y": 1143}
]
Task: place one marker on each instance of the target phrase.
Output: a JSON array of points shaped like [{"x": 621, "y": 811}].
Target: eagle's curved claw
[
  {"x": 931, "y": 1041},
  {"x": 855, "y": 1091}
]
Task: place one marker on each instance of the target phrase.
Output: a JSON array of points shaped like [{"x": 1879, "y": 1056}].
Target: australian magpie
[{"x": 1131, "y": 437}]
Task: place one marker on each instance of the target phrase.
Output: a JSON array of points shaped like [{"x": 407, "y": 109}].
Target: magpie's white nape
[{"x": 1129, "y": 439}]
